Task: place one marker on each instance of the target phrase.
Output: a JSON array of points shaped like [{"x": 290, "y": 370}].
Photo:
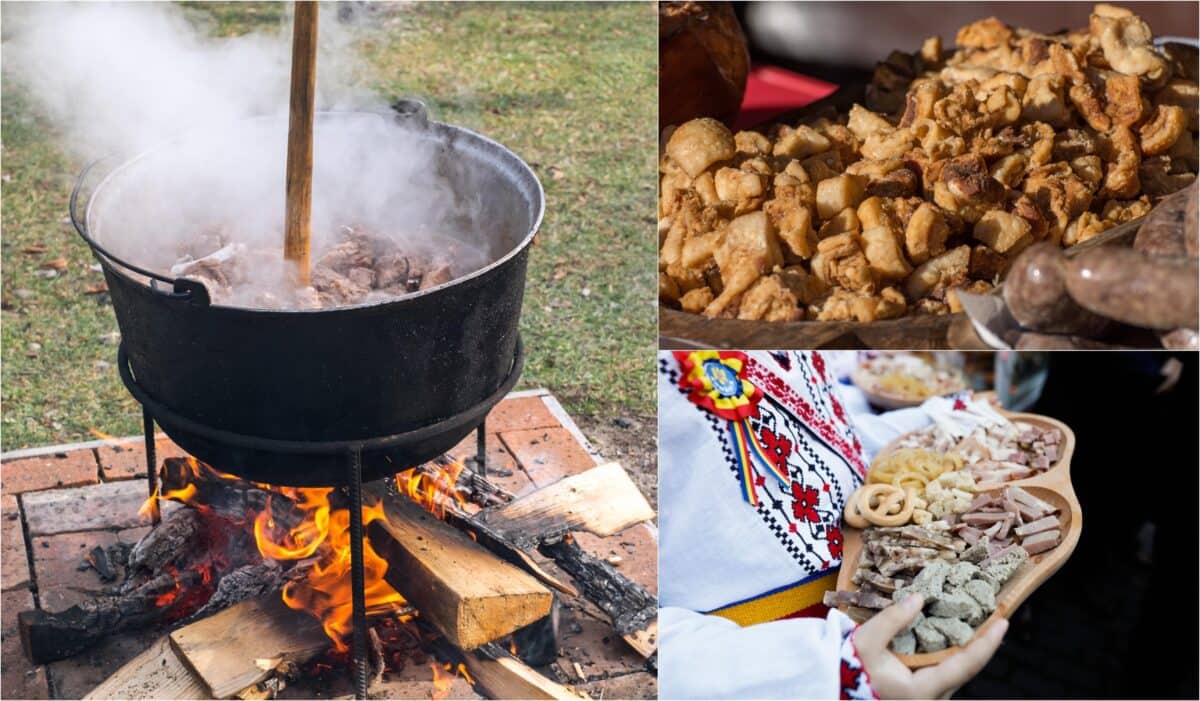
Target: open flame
[
  {"x": 323, "y": 534},
  {"x": 326, "y": 592},
  {"x": 443, "y": 678},
  {"x": 433, "y": 486},
  {"x": 306, "y": 524}
]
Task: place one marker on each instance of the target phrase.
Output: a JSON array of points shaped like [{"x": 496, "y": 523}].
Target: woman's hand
[{"x": 892, "y": 680}]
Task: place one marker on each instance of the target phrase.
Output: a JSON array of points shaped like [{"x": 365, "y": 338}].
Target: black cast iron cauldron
[{"x": 265, "y": 394}]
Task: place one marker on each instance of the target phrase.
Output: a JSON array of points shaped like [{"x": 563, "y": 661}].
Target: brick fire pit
[{"x": 62, "y": 501}]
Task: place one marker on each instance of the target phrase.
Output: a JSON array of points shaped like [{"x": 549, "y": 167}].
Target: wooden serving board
[
  {"x": 1053, "y": 485},
  {"x": 887, "y": 400}
]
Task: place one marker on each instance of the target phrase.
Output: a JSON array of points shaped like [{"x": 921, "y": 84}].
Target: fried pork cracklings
[{"x": 955, "y": 164}]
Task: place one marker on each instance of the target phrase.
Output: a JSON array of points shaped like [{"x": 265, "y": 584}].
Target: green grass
[{"x": 570, "y": 88}]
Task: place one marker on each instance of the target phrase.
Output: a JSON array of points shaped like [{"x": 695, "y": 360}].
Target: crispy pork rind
[
  {"x": 698, "y": 144},
  {"x": 953, "y": 164}
]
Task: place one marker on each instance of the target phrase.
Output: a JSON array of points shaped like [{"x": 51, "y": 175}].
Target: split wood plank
[
  {"x": 645, "y": 641},
  {"x": 223, "y": 649},
  {"x": 156, "y": 673},
  {"x": 603, "y": 500},
  {"x": 506, "y": 550},
  {"x": 502, "y": 676},
  {"x": 471, "y": 596}
]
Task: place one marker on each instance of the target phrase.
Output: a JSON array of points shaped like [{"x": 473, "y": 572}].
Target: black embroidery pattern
[
  {"x": 828, "y": 402},
  {"x": 804, "y": 516},
  {"x": 807, "y": 542}
]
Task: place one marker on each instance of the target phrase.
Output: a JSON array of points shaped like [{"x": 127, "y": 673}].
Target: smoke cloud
[{"x": 206, "y": 119}]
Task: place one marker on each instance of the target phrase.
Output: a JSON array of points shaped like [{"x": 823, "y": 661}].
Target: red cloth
[{"x": 771, "y": 91}]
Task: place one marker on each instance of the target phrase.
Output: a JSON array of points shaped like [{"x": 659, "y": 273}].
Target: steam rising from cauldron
[{"x": 209, "y": 118}]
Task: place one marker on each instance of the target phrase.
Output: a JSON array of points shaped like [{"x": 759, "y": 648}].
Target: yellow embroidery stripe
[{"x": 773, "y": 607}]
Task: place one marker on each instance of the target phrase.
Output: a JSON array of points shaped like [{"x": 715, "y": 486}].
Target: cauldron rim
[{"x": 415, "y": 119}]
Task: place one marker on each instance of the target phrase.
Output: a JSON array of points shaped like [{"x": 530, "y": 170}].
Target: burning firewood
[
  {"x": 198, "y": 561},
  {"x": 470, "y": 595},
  {"x": 602, "y": 501}
]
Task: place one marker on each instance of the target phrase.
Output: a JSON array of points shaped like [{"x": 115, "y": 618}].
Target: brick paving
[
  {"x": 128, "y": 460},
  {"x": 547, "y": 454},
  {"x": 68, "y": 503},
  {"x": 14, "y": 565},
  {"x": 96, "y": 507},
  {"x": 63, "y": 470}
]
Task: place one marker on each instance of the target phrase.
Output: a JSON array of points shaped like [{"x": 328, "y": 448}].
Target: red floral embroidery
[
  {"x": 804, "y": 502},
  {"x": 804, "y": 411},
  {"x": 778, "y": 448},
  {"x": 837, "y": 409},
  {"x": 833, "y": 536},
  {"x": 819, "y": 365},
  {"x": 850, "y": 681},
  {"x": 855, "y": 680}
]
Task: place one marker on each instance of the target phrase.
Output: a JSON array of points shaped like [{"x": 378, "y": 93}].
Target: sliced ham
[
  {"x": 995, "y": 529},
  {"x": 1014, "y": 508},
  {"x": 1023, "y": 497},
  {"x": 970, "y": 446},
  {"x": 1042, "y": 524},
  {"x": 969, "y": 534},
  {"x": 1041, "y": 542},
  {"x": 1029, "y": 513},
  {"x": 983, "y": 519},
  {"x": 1007, "y": 526},
  {"x": 981, "y": 501}
]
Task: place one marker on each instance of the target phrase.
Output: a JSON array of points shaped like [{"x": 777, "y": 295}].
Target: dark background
[
  {"x": 841, "y": 41},
  {"x": 1119, "y": 619}
]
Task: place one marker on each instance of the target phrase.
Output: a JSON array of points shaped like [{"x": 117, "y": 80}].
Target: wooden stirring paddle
[{"x": 298, "y": 223}]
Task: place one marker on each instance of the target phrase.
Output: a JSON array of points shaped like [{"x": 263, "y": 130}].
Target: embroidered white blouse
[{"x": 728, "y": 551}]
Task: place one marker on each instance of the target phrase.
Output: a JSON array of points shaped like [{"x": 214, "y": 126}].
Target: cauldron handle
[
  {"x": 411, "y": 111},
  {"x": 186, "y": 290}
]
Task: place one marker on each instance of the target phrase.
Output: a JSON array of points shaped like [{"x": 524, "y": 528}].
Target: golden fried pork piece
[
  {"x": 698, "y": 144},
  {"x": 770, "y": 299},
  {"x": 749, "y": 250},
  {"x": 840, "y": 260}
]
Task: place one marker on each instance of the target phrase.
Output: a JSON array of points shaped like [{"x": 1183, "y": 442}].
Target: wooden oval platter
[
  {"x": 880, "y": 397},
  {"x": 1053, "y": 485}
]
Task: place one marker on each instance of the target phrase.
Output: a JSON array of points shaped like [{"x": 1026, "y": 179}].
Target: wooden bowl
[
  {"x": 1053, "y": 485},
  {"x": 890, "y": 400}
]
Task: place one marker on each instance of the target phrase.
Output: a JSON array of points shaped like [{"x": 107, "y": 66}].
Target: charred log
[
  {"x": 177, "y": 569},
  {"x": 52, "y": 636},
  {"x": 628, "y": 604},
  {"x": 246, "y": 583}
]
